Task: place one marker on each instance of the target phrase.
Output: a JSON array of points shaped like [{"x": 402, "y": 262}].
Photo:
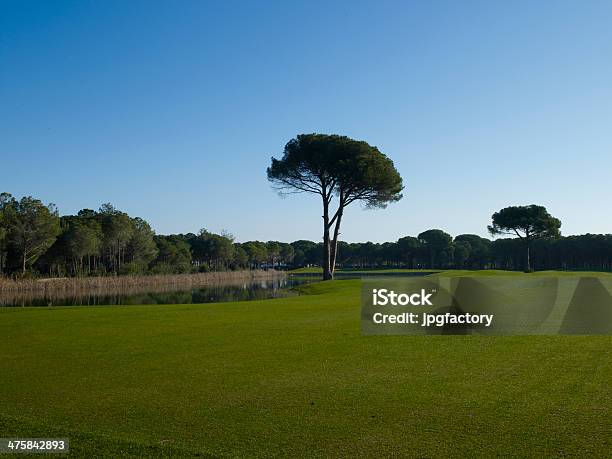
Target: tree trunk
[
  {"x": 528, "y": 268},
  {"x": 327, "y": 272},
  {"x": 334, "y": 245}
]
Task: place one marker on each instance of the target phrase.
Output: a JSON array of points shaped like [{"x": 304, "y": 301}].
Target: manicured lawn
[
  {"x": 453, "y": 272},
  {"x": 315, "y": 270},
  {"x": 294, "y": 376},
  {"x": 500, "y": 272}
]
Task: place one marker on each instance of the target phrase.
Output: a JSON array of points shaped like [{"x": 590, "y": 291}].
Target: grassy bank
[
  {"x": 500, "y": 272},
  {"x": 294, "y": 376},
  {"x": 315, "y": 270},
  {"x": 453, "y": 272}
]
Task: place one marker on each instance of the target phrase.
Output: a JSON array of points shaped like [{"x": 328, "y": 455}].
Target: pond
[{"x": 223, "y": 292}]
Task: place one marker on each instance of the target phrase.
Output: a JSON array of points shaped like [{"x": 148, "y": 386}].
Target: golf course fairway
[{"x": 294, "y": 377}]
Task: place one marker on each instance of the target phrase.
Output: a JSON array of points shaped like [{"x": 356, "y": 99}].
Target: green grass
[
  {"x": 306, "y": 271},
  {"x": 315, "y": 270},
  {"x": 500, "y": 272},
  {"x": 453, "y": 272},
  {"x": 294, "y": 377}
]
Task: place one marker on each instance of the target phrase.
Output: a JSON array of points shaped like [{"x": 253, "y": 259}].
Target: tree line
[{"x": 36, "y": 240}]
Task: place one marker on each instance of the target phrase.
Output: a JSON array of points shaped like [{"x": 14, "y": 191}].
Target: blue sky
[{"x": 172, "y": 110}]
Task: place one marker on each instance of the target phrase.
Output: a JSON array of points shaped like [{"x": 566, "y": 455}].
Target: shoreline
[{"x": 67, "y": 286}]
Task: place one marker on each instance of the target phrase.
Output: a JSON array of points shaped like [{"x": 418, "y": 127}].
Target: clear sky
[{"x": 172, "y": 110}]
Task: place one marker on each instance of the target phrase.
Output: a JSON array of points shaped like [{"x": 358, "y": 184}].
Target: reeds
[{"x": 21, "y": 291}]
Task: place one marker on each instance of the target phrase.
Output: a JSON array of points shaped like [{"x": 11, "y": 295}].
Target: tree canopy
[
  {"x": 437, "y": 243},
  {"x": 30, "y": 228},
  {"x": 339, "y": 167},
  {"x": 527, "y": 223}
]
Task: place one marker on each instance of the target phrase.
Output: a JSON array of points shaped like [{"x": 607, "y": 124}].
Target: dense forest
[{"x": 36, "y": 240}]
